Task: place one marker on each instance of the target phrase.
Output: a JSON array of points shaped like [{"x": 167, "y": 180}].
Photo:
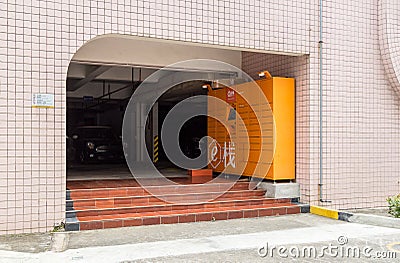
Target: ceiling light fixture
[{"x": 265, "y": 74}]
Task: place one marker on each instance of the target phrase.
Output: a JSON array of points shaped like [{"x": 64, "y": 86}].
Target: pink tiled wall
[
  {"x": 389, "y": 39},
  {"x": 40, "y": 37},
  {"x": 295, "y": 67},
  {"x": 361, "y": 110}
]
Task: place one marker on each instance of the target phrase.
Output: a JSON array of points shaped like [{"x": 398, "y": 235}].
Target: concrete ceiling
[
  {"x": 110, "y": 62},
  {"x": 113, "y": 79},
  {"x": 116, "y": 49}
]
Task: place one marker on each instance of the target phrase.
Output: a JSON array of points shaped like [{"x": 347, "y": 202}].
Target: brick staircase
[{"x": 119, "y": 203}]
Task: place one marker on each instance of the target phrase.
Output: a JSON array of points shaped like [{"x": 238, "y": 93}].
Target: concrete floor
[
  {"x": 79, "y": 172},
  {"x": 220, "y": 241}
]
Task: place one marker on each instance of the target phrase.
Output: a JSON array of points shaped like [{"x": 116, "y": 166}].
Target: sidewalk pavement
[{"x": 239, "y": 240}]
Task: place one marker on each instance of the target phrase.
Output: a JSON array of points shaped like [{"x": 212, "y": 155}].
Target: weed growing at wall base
[{"x": 394, "y": 205}]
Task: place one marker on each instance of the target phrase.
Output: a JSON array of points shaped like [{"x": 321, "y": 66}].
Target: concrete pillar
[
  {"x": 155, "y": 137},
  {"x": 140, "y": 120}
]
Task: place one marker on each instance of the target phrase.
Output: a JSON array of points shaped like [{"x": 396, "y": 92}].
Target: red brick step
[
  {"x": 82, "y": 211},
  {"x": 136, "y": 191},
  {"x": 148, "y": 199},
  {"x": 122, "y": 220},
  {"x": 118, "y": 203}
]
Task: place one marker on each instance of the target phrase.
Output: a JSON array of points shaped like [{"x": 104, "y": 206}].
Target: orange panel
[{"x": 280, "y": 95}]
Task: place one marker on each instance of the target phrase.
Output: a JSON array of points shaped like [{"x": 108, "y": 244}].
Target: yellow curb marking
[{"x": 326, "y": 212}]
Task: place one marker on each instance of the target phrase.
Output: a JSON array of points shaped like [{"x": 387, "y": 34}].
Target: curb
[
  {"x": 60, "y": 241},
  {"x": 375, "y": 220},
  {"x": 367, "y": 219},
  {"x": 330, "y": 213},
  {"x": 304, "y": 208},
  {"x": 71, "y": 221}
]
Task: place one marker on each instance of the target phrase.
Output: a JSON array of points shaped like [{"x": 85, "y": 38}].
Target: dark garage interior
[{"x": 97, "y": 96}]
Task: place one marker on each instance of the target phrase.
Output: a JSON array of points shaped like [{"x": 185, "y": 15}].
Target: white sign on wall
[{"x": 40, "y": 100}]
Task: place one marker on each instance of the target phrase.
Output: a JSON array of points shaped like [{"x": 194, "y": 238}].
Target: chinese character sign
[
  {"x": 229, "y": 154},
  {"x": 225, "y": 154}
]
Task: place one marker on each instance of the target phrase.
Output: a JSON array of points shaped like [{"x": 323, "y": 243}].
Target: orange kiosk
[{"x": 226, "y": 150}]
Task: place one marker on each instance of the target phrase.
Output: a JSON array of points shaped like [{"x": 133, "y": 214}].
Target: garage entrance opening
[
  {"x": 97, "y": 97},
  {"x": 102, "y": 76}
]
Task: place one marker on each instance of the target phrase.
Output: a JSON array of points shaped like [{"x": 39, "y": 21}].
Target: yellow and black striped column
[{"x": 155, "y": 149}]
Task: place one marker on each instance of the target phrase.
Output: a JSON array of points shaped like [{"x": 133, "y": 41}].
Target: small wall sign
[
  {"x": 230, "y": 95},
  {"x": 40, "y": 100}
]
